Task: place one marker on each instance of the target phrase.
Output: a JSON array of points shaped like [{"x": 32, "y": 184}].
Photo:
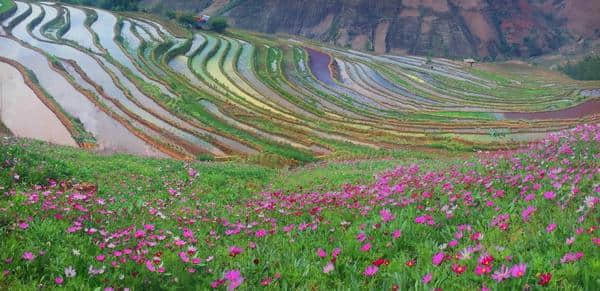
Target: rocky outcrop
[{"x": 453, "y": 28}]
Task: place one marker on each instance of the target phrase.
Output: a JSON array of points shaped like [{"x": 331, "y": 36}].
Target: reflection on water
[
  {"x": 78, "y": 32},
  {"x": 587, "y": 108},
  {"x": 24, "y": 114},
  {"x": 110, "y": 135}
]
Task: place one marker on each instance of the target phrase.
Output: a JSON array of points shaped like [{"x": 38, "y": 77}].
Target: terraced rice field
[{"x": 125, "y": 83}]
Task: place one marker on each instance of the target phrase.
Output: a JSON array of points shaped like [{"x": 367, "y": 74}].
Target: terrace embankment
[{"x": 144, "y": 89}]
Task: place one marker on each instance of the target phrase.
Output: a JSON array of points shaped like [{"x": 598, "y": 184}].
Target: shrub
[
  {"x": 218, "y": 24},
  {"x": 587, "y": 69}
]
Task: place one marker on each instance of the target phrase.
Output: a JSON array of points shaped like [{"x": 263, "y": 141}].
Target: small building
[
  {"x": 202, "y": 21},
  {"x": 470, "y": 61}
]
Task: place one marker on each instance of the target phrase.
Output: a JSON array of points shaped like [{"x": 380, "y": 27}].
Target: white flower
[
  {"x": 76, "y": 252},
  {"x": 70, "y": 272}
]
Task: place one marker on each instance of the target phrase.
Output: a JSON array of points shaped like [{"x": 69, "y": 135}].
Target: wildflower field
[{"x": 497, "y": 221}]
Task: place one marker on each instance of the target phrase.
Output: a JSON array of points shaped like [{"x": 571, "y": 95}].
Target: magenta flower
[
  {"x": 23, "y": 225},
  {"x": 550, "y": 195},
  {"x": 260, "y": 233},
  {"x": 453, "y": 243},
  {"x": 328, "y": 268},
  {"x": 481, "y": 270},
  {"x": 58, "y": 280},
  {"x": 386, "y": 215},
  {"x": 427, "y": 278},
  {"x": 396, "y": 234},
  {"x": 551, "y": 227},
  {"x": 216, "y": 283},
  {"x": 361, "y": 236},
  {"x": 527, "y": 212},
  {"x": 100, "y": 258},
  {"x": 501, "y": 274},
  {"x": 366, "y": 247},
  {"x": 321, "y": 253},
  {"x": 28, "y": 256},
  {"x": 192, "y": 173},
  {"x": 518, "y": 271},
  {"x": 235, "y": 279},
  {"x": 571, "y": 257},
  {"x": 437, "y": 259},
  {"x": 150, "y": 266},
  {"x": 184, "y": 257},
  {"x": 370, "y": 270},
  {"x": 234, "y": 251},
  {"x": 336, "y": 252},
  {"x": 140, "y": 233}
]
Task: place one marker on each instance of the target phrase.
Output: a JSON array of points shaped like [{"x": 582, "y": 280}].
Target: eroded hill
[{"x": 483, "y": 28}]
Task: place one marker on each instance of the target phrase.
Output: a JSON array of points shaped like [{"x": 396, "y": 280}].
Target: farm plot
[{"x": 242, "y": 94}]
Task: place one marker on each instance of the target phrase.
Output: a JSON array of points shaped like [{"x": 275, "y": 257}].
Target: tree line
[{"x": 585, "y": 70}]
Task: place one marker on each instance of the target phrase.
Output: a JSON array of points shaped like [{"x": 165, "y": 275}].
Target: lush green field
[{"x": 498, "y": 221}]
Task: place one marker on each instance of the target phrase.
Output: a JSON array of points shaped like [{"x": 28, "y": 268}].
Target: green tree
[
  {"x": 218, "y": 24},
  {"x": 187, "y": 19}
]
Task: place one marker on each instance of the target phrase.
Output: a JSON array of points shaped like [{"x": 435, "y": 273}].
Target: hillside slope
[{"x": 481, "y": 28}]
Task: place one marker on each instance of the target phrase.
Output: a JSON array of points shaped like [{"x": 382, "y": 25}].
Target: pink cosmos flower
[
  {"x": 216, "y": 283},
  {"x": 517, "y": 271},
  {"x": 150, "y": 266},
  {"x": 361, "y": 236},
  {"x": 140, "y": 233},
  {"x": 501, "y": 274},
  {"x": 386, "y": 215},
  {"x": 527, "y": 212},
  {"x": 260, "y": 233},
  {"x": 235, "y": 279},
  {"x": 328, "y": 268},
  {"x": 571, "y": 257},
  {"x": 100, "y": 258},
  {"x": 184, "y": 257},
  {"x": 266, "y": 281},
  {"x": 321, "y": 253},
  {"x": 453, "y": 243},
  {"x": 396, "y": 234},
  {"x": 336, "y": 252},
  {"x": 370, "y": 270},
  {"x": 427, "y": 278},
  {"x": 366, "y": 247},
  {"x": 28, "y": 256},
  {"x": 570, "y": 240},
  {"x": 550, "y": 195},
  {"x": 437, "y": 259},
  {"x": 192, "y": 173},
  {"x": 234, "y": 251},
  {"x": 481, "y": 270},
  {"x": 58, "y": 280},
  {"x": 551, "y": 227},
  {"x": 23, "y": 225}
]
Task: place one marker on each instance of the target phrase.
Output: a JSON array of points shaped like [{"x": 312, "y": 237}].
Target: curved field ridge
[{"x": 280, "y": 101}]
